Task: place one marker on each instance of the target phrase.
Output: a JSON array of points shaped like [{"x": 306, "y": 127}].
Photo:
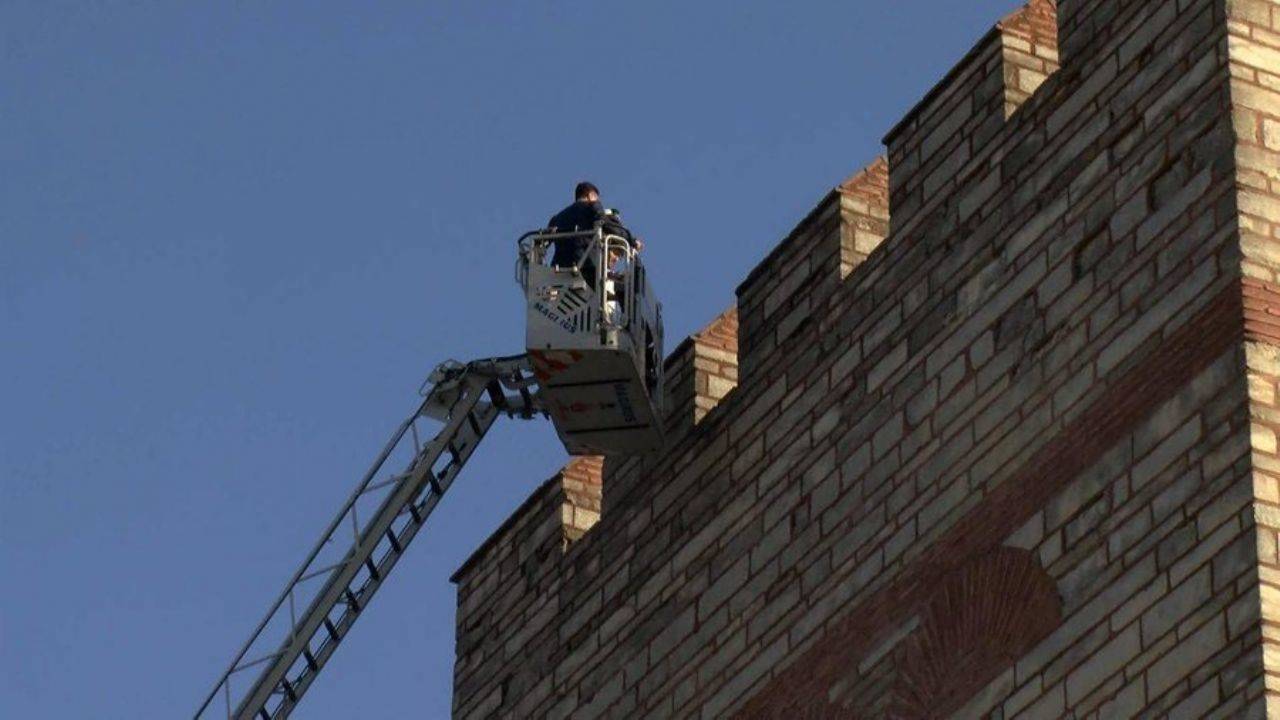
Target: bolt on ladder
[{"x": 332, "y": 590}]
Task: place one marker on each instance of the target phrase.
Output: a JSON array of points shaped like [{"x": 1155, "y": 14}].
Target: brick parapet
[
  {"x": 778, "y": 295},
  {"x": 715, "y": 363},
  {"x": 568, "y": 501},
  {"x": 1087, "y": 29},
  {"x": 864, "y": 214},
  {"x": 1029, "y": 48},
  {"x": 503, "y": 579},
  {"x": 581, "y": 484},
  {"x": 934, "y": 144},
  {"x": 1058, "y": 369},
  {"x": 791, "y": 286},
  {"x": 701, "y": 372}
]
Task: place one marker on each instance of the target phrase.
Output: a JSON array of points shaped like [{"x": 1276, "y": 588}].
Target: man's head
[{"x": 586, "y": 192}]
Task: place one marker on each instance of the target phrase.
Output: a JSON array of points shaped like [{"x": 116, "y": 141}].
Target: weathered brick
[
  {"x": 1101, "y": 664},
  {"x": 1057, "y": 352}
]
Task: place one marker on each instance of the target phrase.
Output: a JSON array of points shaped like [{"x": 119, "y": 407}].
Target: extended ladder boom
[{"x": 290, "y": 647}]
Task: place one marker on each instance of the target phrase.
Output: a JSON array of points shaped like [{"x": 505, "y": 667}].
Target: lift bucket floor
[{"x": 597, "y": 401}]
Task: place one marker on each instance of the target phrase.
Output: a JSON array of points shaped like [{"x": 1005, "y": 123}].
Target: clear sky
[{"x": 235, "y": 236}]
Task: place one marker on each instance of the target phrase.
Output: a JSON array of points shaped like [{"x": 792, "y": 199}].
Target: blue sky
[{"x": 235, "y": 236}]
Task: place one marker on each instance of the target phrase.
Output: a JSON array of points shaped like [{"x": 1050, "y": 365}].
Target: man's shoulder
[
  {"x": 575, "y": 215},
  {"x": 560, "y": 217}
]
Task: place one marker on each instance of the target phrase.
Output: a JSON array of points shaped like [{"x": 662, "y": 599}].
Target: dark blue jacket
[{"x": 581, "y": 215}]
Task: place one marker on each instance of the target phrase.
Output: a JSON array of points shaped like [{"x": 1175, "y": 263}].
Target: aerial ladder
[{"x": 593, "y": 366}]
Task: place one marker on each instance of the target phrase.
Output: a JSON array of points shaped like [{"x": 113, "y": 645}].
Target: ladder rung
[
  {"x": 435, "y": 481},
  {"x": 279, "y": 687},
  {"x": 497, "y": 396},
  {"x": 391, "y": 538}
]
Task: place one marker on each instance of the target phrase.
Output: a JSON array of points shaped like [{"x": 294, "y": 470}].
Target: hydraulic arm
[{"x": 361, "y": 546}]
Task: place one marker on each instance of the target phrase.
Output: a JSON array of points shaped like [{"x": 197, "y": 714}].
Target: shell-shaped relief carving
[{"x": 982, "y": 618}]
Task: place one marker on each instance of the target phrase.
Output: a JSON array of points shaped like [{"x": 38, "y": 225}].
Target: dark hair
[{"x": 583, "y": 190}]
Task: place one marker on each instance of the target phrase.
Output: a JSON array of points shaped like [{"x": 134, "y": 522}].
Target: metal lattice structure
[
  {"x": 331, "y": 589},
  {"x": 594, "y": 367}
]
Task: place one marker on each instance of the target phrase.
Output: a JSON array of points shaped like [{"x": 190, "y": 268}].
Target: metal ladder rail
[
  {"x": 344, "y": 591},
  {"x": 289, "y": 671}
]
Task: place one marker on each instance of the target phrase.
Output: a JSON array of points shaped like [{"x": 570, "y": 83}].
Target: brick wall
[
  {"x": 1004, "y": 437},
  {"x": 1029, "y": 49},
  {"x": 702, "y": 371},
  {"x": 864, "y": 214},
  {"x": 1253, "y": 43}
]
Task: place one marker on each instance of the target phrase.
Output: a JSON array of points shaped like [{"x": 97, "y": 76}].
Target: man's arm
[
  {"x": 610, "y": 221},
  {"x": 613, "y": 224}
]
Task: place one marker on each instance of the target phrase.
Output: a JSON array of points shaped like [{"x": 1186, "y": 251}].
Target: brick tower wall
[{"x": 992, "y": 432}]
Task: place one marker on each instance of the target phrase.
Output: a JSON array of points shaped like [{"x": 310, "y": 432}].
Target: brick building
[{"x": 991, "y": 433}]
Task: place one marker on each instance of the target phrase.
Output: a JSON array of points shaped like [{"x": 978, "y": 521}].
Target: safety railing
[{"x": 619, "y": 280}]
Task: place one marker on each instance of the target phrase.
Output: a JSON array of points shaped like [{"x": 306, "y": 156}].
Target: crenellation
[
  {"x": 1030, "y": 48},
  {"x": 791, "y": 285},
  {"x": 940, "y": 145},
  {"x": 1056, "y": 355},
  {"x": 864, "y": 214}
]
